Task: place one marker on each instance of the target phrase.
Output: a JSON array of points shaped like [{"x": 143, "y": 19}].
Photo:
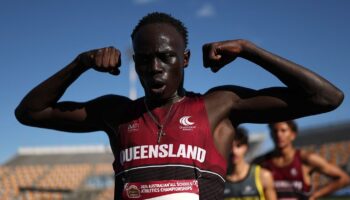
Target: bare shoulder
[
  {"x": 266, "y": 178},
  {"x": 305, "y": 153},
  {"x": 223, "y": 101},
  {"x": 307, "y": 156},
  {"x": 108, "y": 106},
  {"x": 312, "y": 160},
  {"x": 265, "y": 174},
  {"x": 108, "y": 102}
]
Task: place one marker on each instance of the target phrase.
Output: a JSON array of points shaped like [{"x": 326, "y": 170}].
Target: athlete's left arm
[
  {"x": 319, "y": 164},
  {"x": 306, "y": 93},
  {"x": 268, "y": 184}
]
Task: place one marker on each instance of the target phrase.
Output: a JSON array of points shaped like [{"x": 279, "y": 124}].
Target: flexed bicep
[
  {"x": 64, "y": 116},
  {"x": 77, "y": 116},
  {"x": 260, "y": 106},
  {"x": 271, "y": 105}
]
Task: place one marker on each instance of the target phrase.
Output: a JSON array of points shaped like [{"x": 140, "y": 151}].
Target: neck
[
  {"x": 287, "y": 151},
  {"x": 240, "y": 169},
  {"x": 160, "y": 102}
]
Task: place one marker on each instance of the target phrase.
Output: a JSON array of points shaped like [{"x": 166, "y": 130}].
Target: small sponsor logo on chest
[
  {"x": 248, "y": 190},
  {"x": 186, "y": 124},
  {"x": 134, "y": 126},
  {"x": 293, "y": 172}
]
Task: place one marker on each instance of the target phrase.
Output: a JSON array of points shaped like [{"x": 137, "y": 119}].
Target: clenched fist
[
  {"x": 102, "y": 60},
  {"x": 218, "y": 54}
]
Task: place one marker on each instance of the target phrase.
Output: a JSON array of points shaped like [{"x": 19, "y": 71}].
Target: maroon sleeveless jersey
[
  {"x": 289, "y": 180},
  {"x": 183, "y": 165}
]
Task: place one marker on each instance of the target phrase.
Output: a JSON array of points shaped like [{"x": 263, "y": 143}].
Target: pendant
[{"x": 160, "y": 133}]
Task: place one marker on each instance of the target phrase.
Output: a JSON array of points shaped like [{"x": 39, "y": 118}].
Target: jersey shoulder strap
[{"x": 259, "y": 186}]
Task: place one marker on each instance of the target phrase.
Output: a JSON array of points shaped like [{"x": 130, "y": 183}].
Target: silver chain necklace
[{"x": 160, "y": 126}]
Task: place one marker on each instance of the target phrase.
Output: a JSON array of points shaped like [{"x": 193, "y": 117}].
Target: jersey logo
[
  {"x": 248, "y": 188},
  {"x": 293, "y": 172},
  {"x": 184, "y": 121},
  {"x": 133, "y": 126},
  {"x": 186, "y": 124},
  {"x": 227, "y": 191}
]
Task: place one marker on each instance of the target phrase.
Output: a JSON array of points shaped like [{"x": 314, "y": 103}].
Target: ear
[{"x": 187, "y": 55}]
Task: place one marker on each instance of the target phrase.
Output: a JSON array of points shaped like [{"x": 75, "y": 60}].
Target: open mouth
[{"x": 157, "y": 87}]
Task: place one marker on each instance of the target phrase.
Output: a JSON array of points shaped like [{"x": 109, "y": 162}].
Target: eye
[
  {"x": 142, "y": 59},
  {"x": 166, "y": 57}
]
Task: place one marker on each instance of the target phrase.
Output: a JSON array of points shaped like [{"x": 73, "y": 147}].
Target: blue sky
[{"x": 40, "y": 37}]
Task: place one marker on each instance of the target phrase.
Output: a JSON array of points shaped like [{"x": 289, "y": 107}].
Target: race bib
[{"x": 162, "y": 190}]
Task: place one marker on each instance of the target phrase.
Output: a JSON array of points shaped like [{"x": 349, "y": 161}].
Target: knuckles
[
  {"x": 106, "y": 59},
  {"x": 209, "y": 55}
]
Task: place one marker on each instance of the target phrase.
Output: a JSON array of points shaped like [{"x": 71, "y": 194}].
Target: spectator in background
[
  {"x": 245, "y": 181},
  {"x": 292, "y": 168}
]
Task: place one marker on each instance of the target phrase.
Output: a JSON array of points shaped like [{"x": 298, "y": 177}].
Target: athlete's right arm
[{"x": 40, "y": 107}]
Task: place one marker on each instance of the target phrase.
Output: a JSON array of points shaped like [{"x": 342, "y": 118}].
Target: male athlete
[
  {"x": 292, "y": 168},
  {"x": 246, "y": 181},
  {"x": 163, "y": 143}
]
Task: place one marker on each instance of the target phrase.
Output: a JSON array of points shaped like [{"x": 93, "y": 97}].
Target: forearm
[
  {"x": 294, "y": 76},
  {"x": 329, "y": 188},
  {"x": 50, "y": 91},
  {"x": 270, "y": 194}
]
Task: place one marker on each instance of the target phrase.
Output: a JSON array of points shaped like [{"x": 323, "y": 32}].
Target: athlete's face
[
  {"x": 238, "y": 152},
  {"x": 160, "y": 59},
  {"x": 282, "y": 134}
]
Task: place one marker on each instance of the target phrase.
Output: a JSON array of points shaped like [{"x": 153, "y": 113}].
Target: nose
[
  {"x": 279, "y": 135},
  {"x": 156, "y": 65}
]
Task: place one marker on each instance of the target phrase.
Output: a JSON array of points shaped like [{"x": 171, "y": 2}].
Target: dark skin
[{"x": 160, "y": 59}]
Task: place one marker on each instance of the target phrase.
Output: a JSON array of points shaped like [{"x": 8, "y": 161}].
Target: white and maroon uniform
[
  {"x": 183, "y": 165},
  {"x": 289, "y": 180}
]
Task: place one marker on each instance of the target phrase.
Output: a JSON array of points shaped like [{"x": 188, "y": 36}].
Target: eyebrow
[{"x": 157, "y": 52}]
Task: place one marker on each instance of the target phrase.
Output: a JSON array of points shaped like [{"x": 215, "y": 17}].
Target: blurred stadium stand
[
  {"x": 256, "y": 141},
  {"x": 58, "y": 173}
]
